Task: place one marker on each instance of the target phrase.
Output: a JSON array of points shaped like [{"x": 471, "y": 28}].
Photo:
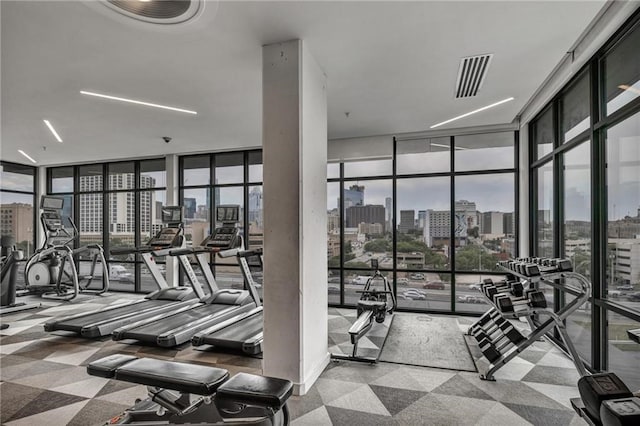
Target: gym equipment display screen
[
  {"x": 228, "y": 213},
  {"x": 51, "y": 203},
  {"x": 172, "y": 214}
]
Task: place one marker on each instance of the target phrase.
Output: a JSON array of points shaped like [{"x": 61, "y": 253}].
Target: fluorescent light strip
[
  {"x": 132, "y": 101},
  {"x": 629, "y": 88},
  {"x": 472, "y": 112},
  {"x": 53, "y": 130},
  {"x": 27, "y": 155},
  {"x": 447, "y": 146}
]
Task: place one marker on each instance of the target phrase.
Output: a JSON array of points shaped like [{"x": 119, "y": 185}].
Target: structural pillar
[
  {"x": 172, "y": 272},
  {"x": 294, "y": 143}
]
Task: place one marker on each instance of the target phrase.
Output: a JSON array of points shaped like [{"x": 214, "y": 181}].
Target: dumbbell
[
  {"x": 492, "y": 348},
  {"x": 487, "y": 323},
  {"x": 532, "y": 298},
  {"x": 502, "y": 331},
  {"x": 514, "y": 287}
]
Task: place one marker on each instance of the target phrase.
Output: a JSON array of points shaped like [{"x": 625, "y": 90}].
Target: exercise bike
[
  {"x": 51, "y": 271},
  {"x": 374, "y": 305},
  {"x": 181, "y": 393}
]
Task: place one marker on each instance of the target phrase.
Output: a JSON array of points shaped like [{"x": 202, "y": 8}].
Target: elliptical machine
[
  {"x": 10, "y": 258},
  {"x": 51, "y": 270},
  {"x": 373, "y": 305}
]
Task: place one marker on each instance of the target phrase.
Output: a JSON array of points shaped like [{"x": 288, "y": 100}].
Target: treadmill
[
  {"x": 179, "y": 326},
  {"x": 242, "y": 332},
  {"x": 167, "y": 299}
]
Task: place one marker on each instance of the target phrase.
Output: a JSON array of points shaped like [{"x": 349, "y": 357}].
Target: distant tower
[{"x": 354, "y": 196}]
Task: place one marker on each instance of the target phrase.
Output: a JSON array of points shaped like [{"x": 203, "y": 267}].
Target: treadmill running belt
[{"x": 235, "y": 335}]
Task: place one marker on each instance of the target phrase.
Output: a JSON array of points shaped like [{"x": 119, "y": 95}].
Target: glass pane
[
  {"x": 545, "y": 211},
  {"x": 431, "y": 293},
  {"x": 16, "y": 177},
  {"x": 484, "y": 152},
  {"x": 622, "y": 73},
  {"x": 624, "y": 353},
  {"x": 423, "y": 156},
  {"x": 90, "y": 220},
  {"x": 147, "y": 282},
  {"x": 365, "y": 216},
  {"x": 577, "y": 202},
  {"x": 229, "y": 276},
  {"x": 122, "y": 276},
  {"x": 333, "y": 170},
  {"x": 121, "y": 176},
  {"x": 623, "y": 206},
  {"x": 196, "y": 170},
  {"x": 255, "y": 166},
  {"x": 84, "y": 270},
  {"x": 197, "y": 205},
  {"x": 333, "y": 286},
  {"x": 543, "y": 134},
  {"x": 151, "y": 203},
  {"x": 469, "y": 298},
  {"x": 481, "y": 204},
  {"x": 574, "y": 109},
  {"x": 333, "y": 225},
  {"x": 355, "y": 280},
  {"x": 122, "y": 220},
  {"x": 230, "y": 195},
  {"x": 229, "y": 168},
  {"x": 578, "y": 326},
  {"x": 61, "y": 179},
  {"x": 256, "y": 222},
  {"x": 16, "y": 220},
  {"x": 153, "y": 174},
  {"x": 368, "y": 168},
  {"x": 90, "y": 178},
  {"x": 424, "y": 226}
]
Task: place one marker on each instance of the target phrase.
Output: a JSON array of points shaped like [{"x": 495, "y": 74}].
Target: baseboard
[{"x": 303, "y": 388}]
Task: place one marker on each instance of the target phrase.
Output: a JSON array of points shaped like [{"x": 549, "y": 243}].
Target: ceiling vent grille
[
  {"x": 471, "y": 75},
  {"x": 157, "y": 11}
]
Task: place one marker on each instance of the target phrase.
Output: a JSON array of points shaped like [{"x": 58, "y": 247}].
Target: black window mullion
[
  {"x": 394, "y": 208},
  {"x": 137, "y": 225},
  {"x": 452, "y": 227},
  {"x": 341, "y": 219}
]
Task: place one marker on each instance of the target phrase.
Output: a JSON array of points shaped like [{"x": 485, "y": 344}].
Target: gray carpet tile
[
  {"x": 542, "y": 416},
  {"x": 13, "y": 397},
  {"x": 96, "y": 412},
  {"x": 459, "y": 387},
  {"x": 342, "y": 416},
  {"x": 45, "y": 401},
  {"x": 396, "y": 400}
]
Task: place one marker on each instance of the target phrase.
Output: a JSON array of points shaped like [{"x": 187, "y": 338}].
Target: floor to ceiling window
[
  {"x": 585, "y": 150},
  {"x": 17, "y": 201},
  {"x": 210, "y": 180},
  {"x": 437, "y": 216}
]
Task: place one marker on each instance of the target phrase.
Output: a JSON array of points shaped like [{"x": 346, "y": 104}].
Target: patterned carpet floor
[{"x": 43, "y": 381}]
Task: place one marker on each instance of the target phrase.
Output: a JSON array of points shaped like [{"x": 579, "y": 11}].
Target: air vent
[
  {"x": 471, "y": 75},
  {"x": 157, "y": 11}
]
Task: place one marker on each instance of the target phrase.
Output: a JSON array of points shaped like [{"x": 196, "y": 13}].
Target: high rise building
[
  {"x": 492, "y": 223},
  {"x": 189, "y": 208},
  {"x": 407, "y": 221},
  {"x": 509, "y": 223},
  {"x": 422, "y": 216},
  {"x": 388, "y": 211},
  {"x": 333, "y": 220},
  {"x": 370, "y": 228},
  {"x": 255, "y": 206},
  {"x": 354, "y": 196},
  {"x": 437, "y": 227},
  {"x": 16, "y": 219},
  {"x": 371, "y": 213}
]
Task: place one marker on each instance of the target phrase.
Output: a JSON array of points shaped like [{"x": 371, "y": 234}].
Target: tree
[
  {"x": 474, "y": 258},
  {"x": 378, "y": 246}
]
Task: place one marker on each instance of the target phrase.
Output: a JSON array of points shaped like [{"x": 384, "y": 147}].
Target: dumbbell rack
[{"x": 534, "y": 315}]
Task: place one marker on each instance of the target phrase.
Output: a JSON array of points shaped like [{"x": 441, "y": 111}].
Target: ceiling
[{"x": 391, "y": 65}]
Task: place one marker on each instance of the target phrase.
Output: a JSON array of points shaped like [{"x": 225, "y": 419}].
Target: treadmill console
[
  {"x": 171, "y": 236},
  {"x": 228, "y": 235}
]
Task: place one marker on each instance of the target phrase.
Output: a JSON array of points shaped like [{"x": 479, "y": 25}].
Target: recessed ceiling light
[
  {"x": 53, "y": 130},
  {"x": 133, "y": 101},
  {"x": 27, "y": 155},
  {"x": 472, "y": 112}
]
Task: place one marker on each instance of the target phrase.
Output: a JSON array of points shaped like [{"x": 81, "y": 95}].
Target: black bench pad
[
  {"x": 189, "y": 378},
  {"x": 255, "y": 390},
  {"x": 106, "y": 367}
]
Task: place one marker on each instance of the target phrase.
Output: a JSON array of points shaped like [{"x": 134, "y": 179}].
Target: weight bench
[{"x": 267, "y": 395}]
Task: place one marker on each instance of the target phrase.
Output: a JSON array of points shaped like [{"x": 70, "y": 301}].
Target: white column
[
  {"x": 41, "y": 189},
  {"x": 295, "y": 214},
  {"x": 173, "y": 179},
  {"x": 525, "y": 214}
]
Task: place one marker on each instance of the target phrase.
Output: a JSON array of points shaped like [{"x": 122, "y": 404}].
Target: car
[
  {"x": 434, "y": 285},
  {"x": 413, "y": 295},
  {"x": 634, "y": 297},
  {"x": 334, "y": 280},
  {"x": 475, "y": 287},
  {"x": 403, "y": 281},
  {"x": 419, "y": 277},
  {"x": 360, "y": 279},
  {"x": 470, "y": 299},
  {"x": 625, "y": 287},
  {"x": 333, "y": 289}
]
